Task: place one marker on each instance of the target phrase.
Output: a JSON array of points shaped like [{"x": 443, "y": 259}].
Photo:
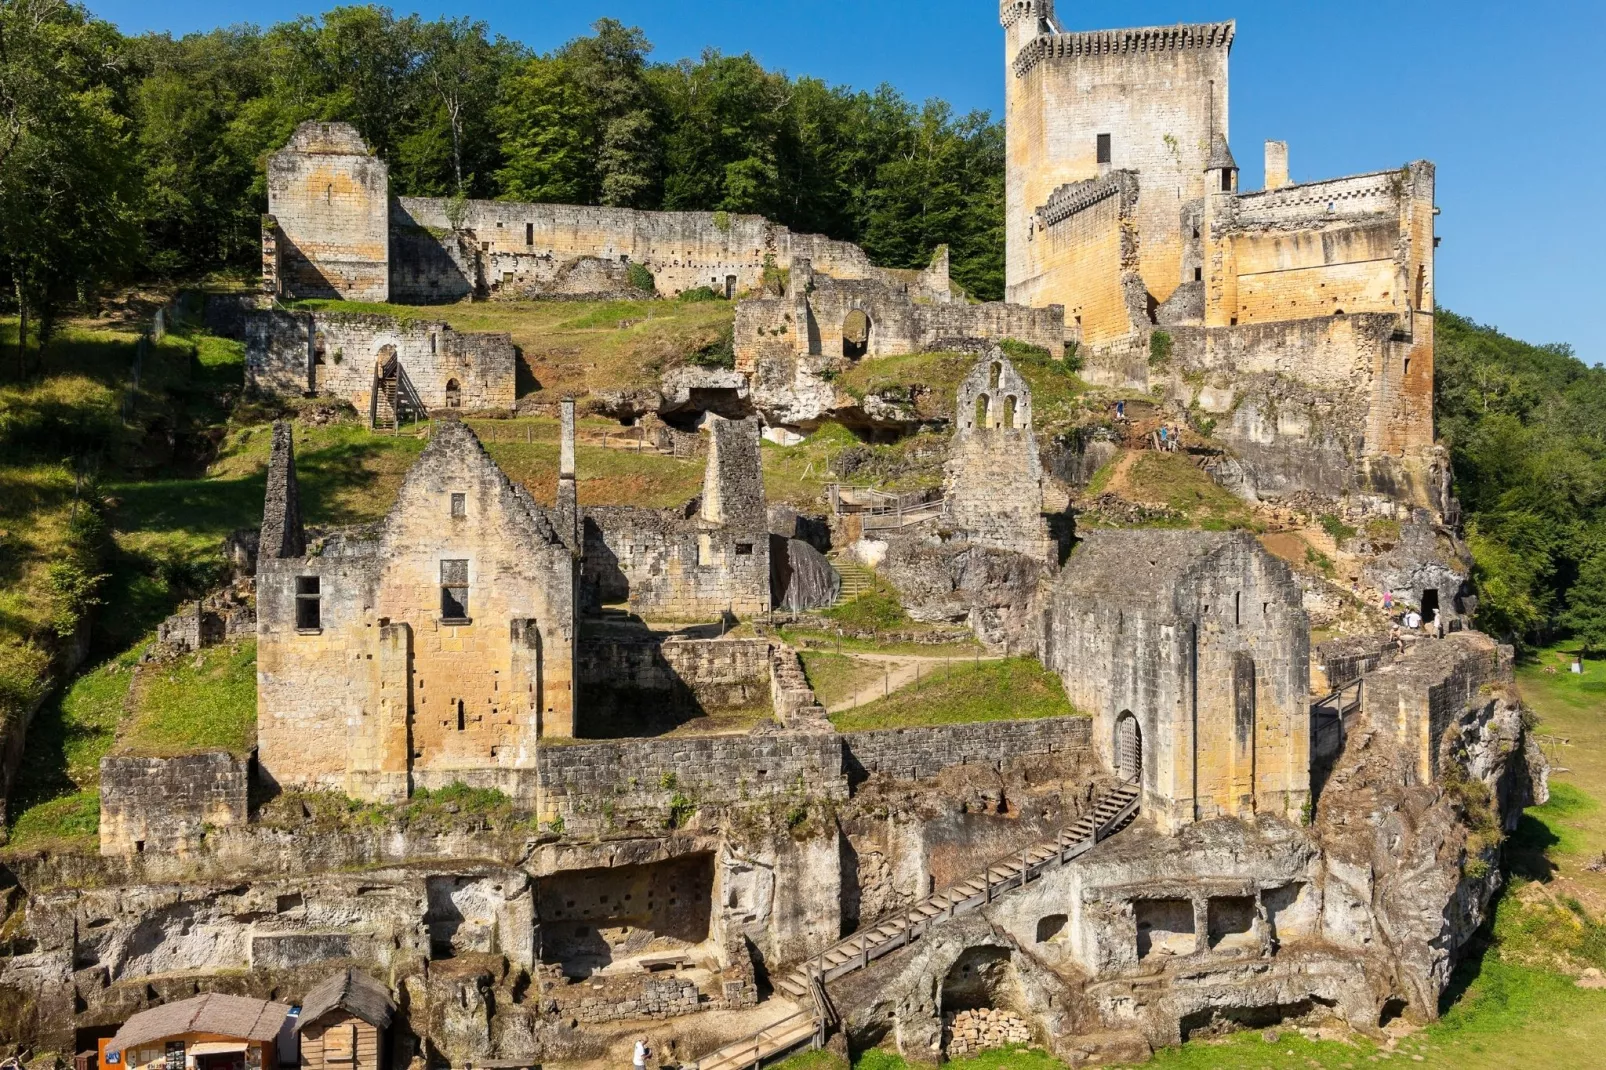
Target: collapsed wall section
[{"x": 168, "y": 805}]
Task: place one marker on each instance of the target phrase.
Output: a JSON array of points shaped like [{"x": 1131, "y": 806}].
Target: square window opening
[
  {"x": 309, "y": 603},
  {"x": 744, "y": 549}
]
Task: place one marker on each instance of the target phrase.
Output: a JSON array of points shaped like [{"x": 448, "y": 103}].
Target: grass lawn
[
  {"x": 198, "y": 702},
  {"x": 835, "y": 677},
  {"x": 1056, "y": 390},
  {"x": 580, "y": 346},
  {"x": 1174, "y": 482},
  {"x": 1006, "y": 690},
  {"x": 962, "y": 645}
]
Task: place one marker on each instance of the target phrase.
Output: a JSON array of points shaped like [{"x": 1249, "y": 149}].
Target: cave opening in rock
[{"x": 612, "y": 918}]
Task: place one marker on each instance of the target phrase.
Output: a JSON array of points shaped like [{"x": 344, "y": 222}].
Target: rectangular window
[
  {"x": 1104, "y": 148},
  {"x": 309, "y": 603},
  {"x": 743, "y": 548},
  {"x": 175, "y": 1055},
  {"x": 459, "y": 505},
  {"x": 1198, "y": 274},
  {"x": 529, "y": 234},
  {"x": 454, "y": 590}
]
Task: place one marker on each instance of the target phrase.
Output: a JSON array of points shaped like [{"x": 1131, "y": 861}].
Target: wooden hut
[
  {"x": 208, "y": 1032},
  {"x": 343, "y": 1023}
]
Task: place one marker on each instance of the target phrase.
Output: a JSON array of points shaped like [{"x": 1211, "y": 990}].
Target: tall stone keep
[
  {"x": 328, "y": 222},
  {"x": 283, "y": 534},
  {"x": 994, "y": 476}
]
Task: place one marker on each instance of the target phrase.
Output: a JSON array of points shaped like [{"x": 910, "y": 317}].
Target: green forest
[
  {"x": 131, "y": 158},
  {"x": 143, "y": 156}
]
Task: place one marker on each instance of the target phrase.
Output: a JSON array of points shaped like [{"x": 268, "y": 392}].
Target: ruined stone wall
[
  {"x": 815, "y": 316},
  {"x": 497, "y": 243},
  {"x": 1202, "y": 640},
  {"x": 1416, "y": 697},
  {"x": 1158, "y": 93},
  {"x": 290, "y": 354},
  {"x": 674, "y": 565},
  {"x": 329, "y": 199},
  {"x": 714, "y": 672},
  {"x": 993, "y": 479},
  {"x": 169, "y": 804},
  {"x": 1083, "y": 244},
  {"x": 592, "y": 785},
  {"x": 920, "y": 753},
  {"x": 1304, "y": 404}
]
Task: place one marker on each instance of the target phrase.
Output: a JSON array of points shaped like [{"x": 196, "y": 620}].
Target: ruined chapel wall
[
  {"x": 993, "y": 478},
  {"x": 329, "y": 200}
]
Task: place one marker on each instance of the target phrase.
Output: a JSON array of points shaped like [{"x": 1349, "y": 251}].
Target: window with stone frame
[
  {"x": 1104, "y": 148},
  {"x": 459, "y": 504},
  {"x": 309, "y": 603},
  {"x": 454, "y": 590}
]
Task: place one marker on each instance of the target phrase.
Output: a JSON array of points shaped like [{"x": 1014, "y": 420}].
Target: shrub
[
  {"x": 641, "y": 278},
  {"x": 720, "y": 353},
  {"x": 1159, "y": 349},
  {"x": 1018, "y": 350},
  {"x": 1336, "y": 529},
  {"x": 681, "y": 810},
  {"x": 700, "y": 293}
]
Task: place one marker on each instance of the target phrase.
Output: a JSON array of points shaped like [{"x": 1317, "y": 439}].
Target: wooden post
[
  {"x": 987, "y": 879},
  {"x": 864, "y": 951}
]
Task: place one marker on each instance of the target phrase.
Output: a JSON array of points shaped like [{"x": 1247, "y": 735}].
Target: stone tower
[
  {"x": 994, "y": 477},
  {"x": 1080, "y": 106},
  {"x": 328, "y": 222}
]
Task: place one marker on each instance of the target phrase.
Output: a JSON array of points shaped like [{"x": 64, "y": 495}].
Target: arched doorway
[
  {"x": 1128, "y": 748},
  {"x": 855, "y": 335},
  {"x": 454, "y": 394}
]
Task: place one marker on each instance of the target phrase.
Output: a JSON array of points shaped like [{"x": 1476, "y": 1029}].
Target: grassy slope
[
  {"x": 1174, "y": 482},
  {"x": 1056, "y": 391},
  {"x": 963, "y": 692},
  {"x": 581, "y": 346}
]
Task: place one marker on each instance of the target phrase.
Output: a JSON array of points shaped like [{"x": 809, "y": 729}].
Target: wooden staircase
[{"x": 1112, "y": 812}]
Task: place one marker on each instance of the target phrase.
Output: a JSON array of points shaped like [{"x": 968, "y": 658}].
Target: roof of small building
[
  {"x": 353, "y": 992},
  {"x": 232, "y": 1016},
  {"x": 1142, "y": 566},
  {"x": 1221, "y": 155}
]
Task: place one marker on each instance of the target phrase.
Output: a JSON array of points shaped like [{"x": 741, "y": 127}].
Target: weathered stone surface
[
  {"x": 167, "y": 805},
  {"x": 801, "y": 576}
]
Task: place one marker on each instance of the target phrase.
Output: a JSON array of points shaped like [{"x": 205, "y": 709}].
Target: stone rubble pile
[{"x": 983, "y": 1028}]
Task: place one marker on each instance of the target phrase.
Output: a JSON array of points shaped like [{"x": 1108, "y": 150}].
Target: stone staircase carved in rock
[{"x": 805, "y": 986}]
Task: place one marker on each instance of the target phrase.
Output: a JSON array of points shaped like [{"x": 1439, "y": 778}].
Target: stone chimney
[
  {"x": 1276, "y": 164},
  {"x": 282, "y": 531},
  {"x": 733, "y": 483},
  {"x": 568, "y": 506}
]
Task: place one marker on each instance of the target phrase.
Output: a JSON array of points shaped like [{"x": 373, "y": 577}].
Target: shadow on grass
[{"x": 1527, "y": 848}]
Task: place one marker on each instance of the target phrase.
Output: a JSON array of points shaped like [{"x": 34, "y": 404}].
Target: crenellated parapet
[{"x": 1182, "y": 37}]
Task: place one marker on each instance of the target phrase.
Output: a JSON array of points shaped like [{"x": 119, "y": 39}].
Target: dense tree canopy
[
  {"x": 181, "y": 128},
  {"x": 1526, "y": 426},
  {"x": 123, "y": 157}
]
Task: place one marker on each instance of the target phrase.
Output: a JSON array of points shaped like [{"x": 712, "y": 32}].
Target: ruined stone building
[
  {"x": 1304, "y": 309},
  {"x": 387, "y": 369},
  {"x": 334, "y": 230},
  {"x": 1190, "y": 650},
  {"x": 706, "y": 559},
  {"x": 993, "y": 485},
  {"x": 439, "y": 645},
  {"x": 436, "y": 646}
]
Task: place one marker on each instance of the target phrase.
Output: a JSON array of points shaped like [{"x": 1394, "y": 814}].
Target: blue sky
[{"x": 1506, "y": 99}]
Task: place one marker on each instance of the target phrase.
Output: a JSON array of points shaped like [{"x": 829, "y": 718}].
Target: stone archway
[
  {"x": 1128, "y": 748},
  {"x": 855, "y": 334}
]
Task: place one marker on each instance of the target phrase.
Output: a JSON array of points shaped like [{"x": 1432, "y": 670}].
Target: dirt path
[{"x": 901, "y": 671}]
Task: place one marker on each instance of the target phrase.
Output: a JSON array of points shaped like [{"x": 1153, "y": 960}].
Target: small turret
[
  {"x": 1221, "y": 169},
  {"x": 282, "y": 532}
]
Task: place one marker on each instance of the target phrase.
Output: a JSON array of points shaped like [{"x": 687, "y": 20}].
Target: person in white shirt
[{"x": 639, "y": 1061}]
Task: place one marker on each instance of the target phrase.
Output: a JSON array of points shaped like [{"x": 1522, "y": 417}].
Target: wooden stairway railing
[{"x": 1111, "y": 813}]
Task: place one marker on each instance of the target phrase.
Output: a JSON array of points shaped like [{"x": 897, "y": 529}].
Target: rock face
[
  {"x": 1150, "y": 939},
  {"x": 992, "y": 590}
]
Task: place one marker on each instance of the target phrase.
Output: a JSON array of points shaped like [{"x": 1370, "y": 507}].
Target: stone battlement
[{"x": 1182, "y": 37}]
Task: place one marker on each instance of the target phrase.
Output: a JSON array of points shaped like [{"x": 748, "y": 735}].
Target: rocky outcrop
[{"x": 993, "y": 591}]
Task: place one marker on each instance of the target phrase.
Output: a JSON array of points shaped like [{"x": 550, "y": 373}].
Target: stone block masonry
[
  {"x": 329, "y": 215},
  {"x": 167, "y": 805},
  {"x": 922, "y": 753}
]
